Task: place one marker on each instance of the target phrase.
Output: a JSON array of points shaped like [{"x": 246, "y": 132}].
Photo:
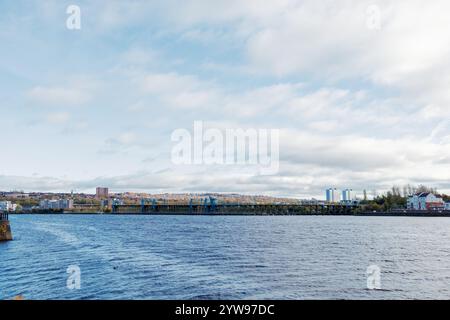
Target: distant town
[
  {"x": 103, "y": 200},
  {"x": 419, "y": 198}
]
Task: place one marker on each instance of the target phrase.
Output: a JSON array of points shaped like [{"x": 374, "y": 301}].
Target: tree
[{"x": 395, "y": 199}]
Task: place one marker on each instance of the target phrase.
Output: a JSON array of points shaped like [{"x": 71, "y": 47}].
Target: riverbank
[{"x": 362, "y": 214}]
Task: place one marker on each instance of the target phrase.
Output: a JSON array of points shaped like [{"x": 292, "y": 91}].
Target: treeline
[{"x": 396, "y": 198}]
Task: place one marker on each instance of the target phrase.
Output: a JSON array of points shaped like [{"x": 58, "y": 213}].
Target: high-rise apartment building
[
  {"x": 101, "y": 193},
  {"x": 332, "y": 195}
]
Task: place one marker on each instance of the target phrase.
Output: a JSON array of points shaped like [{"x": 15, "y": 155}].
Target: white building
[
  {"x": 425, "y": 201},
  {"x": 347, "y": 195},
  {"x": 56, "y": 204},
  {"x": 7, "y": 206},
  {"x": 117, "y": 202},
  {"x": 332, "y": 195}
]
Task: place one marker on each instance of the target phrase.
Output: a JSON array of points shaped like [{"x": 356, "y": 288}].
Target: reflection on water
[{"x": 207, "y": 257}]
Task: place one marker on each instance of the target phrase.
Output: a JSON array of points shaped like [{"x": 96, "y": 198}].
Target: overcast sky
[{"x": 358, "y": 89}]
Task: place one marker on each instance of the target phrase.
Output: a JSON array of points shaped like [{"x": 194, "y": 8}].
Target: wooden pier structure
[
  {"x": 236, "y": 209},
  {"x": 5, "y": 228}
]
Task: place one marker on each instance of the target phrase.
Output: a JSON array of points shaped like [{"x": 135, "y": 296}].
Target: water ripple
[{"x": 191, "y": 257}]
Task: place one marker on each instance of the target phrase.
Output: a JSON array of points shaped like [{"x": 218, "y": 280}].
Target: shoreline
[{"x": 361, "y": 214}]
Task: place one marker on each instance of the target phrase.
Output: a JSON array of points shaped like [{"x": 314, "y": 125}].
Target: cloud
[
  {"x": 140, "y": 56},
  {"x": 356, "y": 153},
  {"x": 120, "y": 143},
  {"x": 179, "y": 91},
  {"x": 331, "y": 42},
  {"x": 127, "y": 138},
  {"x": 169, "y": 83},
  {"x": 358, "y": 107},
  {"x": 58, "y": 96},
  {"x": 58, "y": 118},
  {"x": 8, "y": 183},
  {"x": 328, "y": 41}
]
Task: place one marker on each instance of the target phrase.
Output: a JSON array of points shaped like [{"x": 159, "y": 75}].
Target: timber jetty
[
  {"x": 5, "y": 228},
  {"x": 235, "y": 209},
  {"x": 212, "y": 208}
]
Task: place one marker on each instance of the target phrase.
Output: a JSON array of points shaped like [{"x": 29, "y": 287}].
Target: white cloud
[
  {"x": 330, "y": 41},
  {"x": 58, "y": 118},
  {"x": 360, "y": 108},
  {"x": 127, "y": 138},
  {"x": 59, "y": 96},
  {"x": 169, "y": 83},
  {"x": 179, "y": 91},
  {"x": 121, "y": 141},
  {"x": 140, "y": 56}
]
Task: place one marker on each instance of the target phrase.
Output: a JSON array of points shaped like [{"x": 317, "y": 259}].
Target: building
[
  {"x": 7, "y": 206},
  {"x": 447, "y": 206},
  {"x": 425, "y": 201},
  {"x": 332, "y": 195},
  {"x": 101, "y": 193},
  {"x": 117, "y": 202},
  {"x": 105, "y": 203},
  {"x": 60, "y": 204},
  {"x": 346, "y": 196}
]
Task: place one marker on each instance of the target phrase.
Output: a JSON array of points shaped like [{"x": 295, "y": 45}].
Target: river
[{"x": 225, "y": 257}]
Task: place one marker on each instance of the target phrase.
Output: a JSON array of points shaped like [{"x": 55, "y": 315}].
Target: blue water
[{"x": 207, "y": 257}]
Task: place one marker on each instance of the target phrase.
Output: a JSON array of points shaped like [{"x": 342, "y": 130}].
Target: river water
[{"x": 219, "y": 257}]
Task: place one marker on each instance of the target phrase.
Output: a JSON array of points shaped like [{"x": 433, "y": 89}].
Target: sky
[{"x": 359, "y": 91}]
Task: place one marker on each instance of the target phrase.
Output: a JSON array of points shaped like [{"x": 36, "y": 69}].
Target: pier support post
[{"x": 5, "y": 231}]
